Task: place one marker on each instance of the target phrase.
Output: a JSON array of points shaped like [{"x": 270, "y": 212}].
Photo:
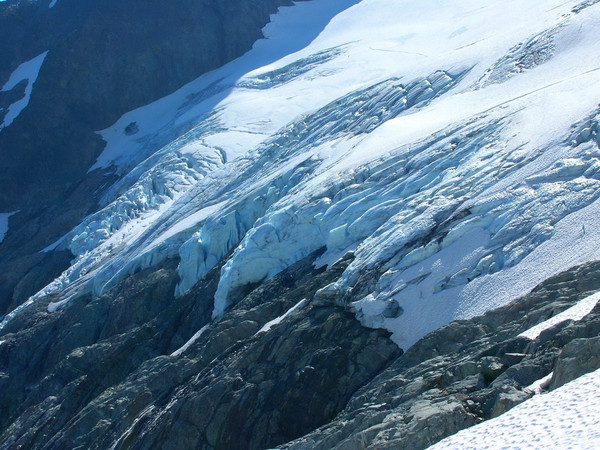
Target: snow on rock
[
  {"x": 190, "y": 341},
  {"x": 576, "y": 313},
  {"x": 4, "y": 224},
  {"x": 568, "y": 417},
  {"x": 28, "y": 71},
  {"x": 453, "y": 147},
  {"x": 290, "y": 312},
  {"x": 538, "y": 386}
]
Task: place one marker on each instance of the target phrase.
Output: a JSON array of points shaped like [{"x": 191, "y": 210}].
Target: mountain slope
[
  {"x": 71, "y": 69},
  {"x": 406, "y": 164}
]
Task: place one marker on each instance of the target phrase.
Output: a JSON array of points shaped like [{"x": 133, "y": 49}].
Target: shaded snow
[
  {"x": 576, "y": 313},
  {"x": 568, "y": 417},
  {"x": 54, "y": 245},
  {"x": 4, "y": 224},
  {"x": 27, "y": 71}
]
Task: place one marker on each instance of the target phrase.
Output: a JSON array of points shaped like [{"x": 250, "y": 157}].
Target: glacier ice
[{"x": 453, "y": 158}]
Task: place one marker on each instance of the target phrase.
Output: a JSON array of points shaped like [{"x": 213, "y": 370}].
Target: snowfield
[
  {"x": 564, "y": 418},
  {"x": 452, "y": 146}
]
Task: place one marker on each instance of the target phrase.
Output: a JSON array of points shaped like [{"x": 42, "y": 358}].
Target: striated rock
[
  {"x": 109, "y": 380},
  {"x": 139, "y": 368}
]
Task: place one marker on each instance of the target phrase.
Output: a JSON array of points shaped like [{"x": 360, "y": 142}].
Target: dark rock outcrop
[
  {"x": 105, "y": 58},
  {"x": 108, "y": 372},
  {"x": 121, "y": 369}
]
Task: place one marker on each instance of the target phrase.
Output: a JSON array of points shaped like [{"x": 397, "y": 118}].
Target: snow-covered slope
[
  {"x": 452, "y": 146},
  {"x": 4, "y": 224},
  {"x": 564, "y": 418}
]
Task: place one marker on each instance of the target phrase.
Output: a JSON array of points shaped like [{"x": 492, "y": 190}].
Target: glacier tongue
[{"x": 459, "y": 161}]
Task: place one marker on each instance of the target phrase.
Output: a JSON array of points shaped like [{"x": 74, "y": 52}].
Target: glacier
[{"x": 454, "y": 159}]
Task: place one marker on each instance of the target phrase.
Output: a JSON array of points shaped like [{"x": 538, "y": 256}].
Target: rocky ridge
[
  {"x": 470, "y": 371},
  {"x": 137, "y": 368}
]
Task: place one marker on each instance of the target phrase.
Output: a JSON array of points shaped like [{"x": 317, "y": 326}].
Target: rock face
[
  {"x": 104, "y": 375},
  {"x": 469, "y": 371},
  {"x": 104, "y": 58},
  {"x": 137, "y": 368}
]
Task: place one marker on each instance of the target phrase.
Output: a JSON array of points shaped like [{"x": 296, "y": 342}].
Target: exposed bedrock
[{"x": 138, "y": 368}]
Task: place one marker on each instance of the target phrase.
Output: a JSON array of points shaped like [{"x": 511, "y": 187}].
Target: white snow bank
[
  {"x": 576, "y": 312},
  {"x": 27, "y": 71},
  {"x": 568, "y": 417},
  {"x": 4, "y": 224},
  {"x": 191, "y": 340},
  {"x": 290, "y": 312}
]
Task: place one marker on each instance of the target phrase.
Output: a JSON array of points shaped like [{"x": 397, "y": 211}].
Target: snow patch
[
  {"x": 538, "y": 386},
  {"x": 27, "y": 71},
  {"x": 4, "y": 224},
  {"x": 191, "y": 340},
  {"x": 55, "y": 244},
  {"x": 290, "y": 312},
  {"x": 575, "y": 313}
]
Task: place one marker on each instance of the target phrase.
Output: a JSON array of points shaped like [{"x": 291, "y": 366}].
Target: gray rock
[
  {"x": 465, "y": 372},
  {"x": 578, "y": 357}
]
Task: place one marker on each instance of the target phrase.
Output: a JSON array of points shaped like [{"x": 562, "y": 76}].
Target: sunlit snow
[
  {"x": 568, "y": 417},
  {"x": 453, "y": 146},
  {"x": 576, "y": 312},
  {"x": 290, "y": 312},
  {"x": 190, "y": 341}
]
